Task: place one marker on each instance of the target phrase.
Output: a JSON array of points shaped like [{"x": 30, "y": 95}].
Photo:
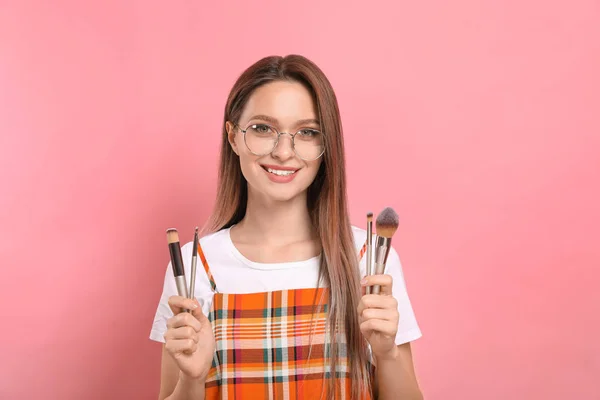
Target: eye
[
  {"x": 261, "y": 129},
  {"x": 308, "y": 133}
]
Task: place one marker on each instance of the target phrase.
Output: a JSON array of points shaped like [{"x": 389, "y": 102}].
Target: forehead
[{"x": 283, "y": 100}]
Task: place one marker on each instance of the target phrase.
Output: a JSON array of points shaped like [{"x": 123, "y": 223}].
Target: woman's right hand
[{"x": 189, "y": 338}]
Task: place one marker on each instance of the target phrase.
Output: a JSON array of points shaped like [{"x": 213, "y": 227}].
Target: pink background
[{"x": 477, "y": 121}]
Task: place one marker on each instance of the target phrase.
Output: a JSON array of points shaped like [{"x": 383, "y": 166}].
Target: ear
[{"x": 231, "y": 131}]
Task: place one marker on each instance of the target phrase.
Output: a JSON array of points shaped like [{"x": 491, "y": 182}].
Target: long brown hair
[{"x": 327, "y": 204}]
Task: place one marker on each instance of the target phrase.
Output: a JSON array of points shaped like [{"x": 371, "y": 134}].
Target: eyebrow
[{"x": 276, "y": 122}]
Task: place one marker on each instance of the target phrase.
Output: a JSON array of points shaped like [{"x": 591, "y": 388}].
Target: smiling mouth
[{"x": 279, "y": 172}]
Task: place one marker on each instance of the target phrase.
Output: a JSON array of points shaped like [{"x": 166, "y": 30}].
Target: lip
[
  {"x": 279, "y": 178},
  {"x": 279, "y": 167}
]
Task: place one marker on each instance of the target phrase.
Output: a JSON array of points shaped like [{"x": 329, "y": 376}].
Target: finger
[
  {"x": 180, "y": 303},
  {"x": 181, "y": 346},
  {"x": 385, "y": 314},
  {"x": 184, "y": 332},
  {"x": 184, "y": 319},
  {"x": 376, "y": 301},
  {"x": 380, "y": 326},
  {"x": 198, "y": 313},
  {"x": 384, "y": 281}
]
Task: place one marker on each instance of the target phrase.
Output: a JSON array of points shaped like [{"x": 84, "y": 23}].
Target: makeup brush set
[
  {"x": 386, "y": 225},
  {"x": 177, "y": 263}
]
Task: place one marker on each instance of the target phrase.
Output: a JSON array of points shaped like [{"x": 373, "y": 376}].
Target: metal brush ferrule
[
  {"x": 181, "y": 287},
  {"x": 193, "y": 278},
  {"x": 382, "y": 250}
]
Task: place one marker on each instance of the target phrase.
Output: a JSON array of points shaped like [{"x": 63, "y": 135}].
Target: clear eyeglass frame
[{"x": 292, "y": 135}]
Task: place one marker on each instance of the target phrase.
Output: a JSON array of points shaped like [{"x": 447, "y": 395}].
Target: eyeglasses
[{"x": 262, "y": 139}]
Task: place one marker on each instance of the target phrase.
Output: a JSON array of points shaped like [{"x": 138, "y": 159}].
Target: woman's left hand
[{"x": 378, "y": 316}]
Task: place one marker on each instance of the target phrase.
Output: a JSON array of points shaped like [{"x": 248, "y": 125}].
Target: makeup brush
[
  {"x": 177, "y": 262},
  {"x": 369, "y": 247},
  {"x": 194, "y": 262},
  {"x": 386, "y": 225}
]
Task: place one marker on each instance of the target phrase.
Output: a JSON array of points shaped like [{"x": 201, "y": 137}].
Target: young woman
[{"x": 280, "y": 309}]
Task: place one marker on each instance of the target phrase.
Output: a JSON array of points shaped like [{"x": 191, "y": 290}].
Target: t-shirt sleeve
[
  {"x": 408, "y": 328},
  {"x": 202, "y": 290}
]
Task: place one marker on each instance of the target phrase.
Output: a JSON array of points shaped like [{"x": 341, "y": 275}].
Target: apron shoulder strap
[{"x": 207, "y": 268}]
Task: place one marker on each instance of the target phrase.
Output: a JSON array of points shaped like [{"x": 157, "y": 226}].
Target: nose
[{"x": 285, "y": 148}]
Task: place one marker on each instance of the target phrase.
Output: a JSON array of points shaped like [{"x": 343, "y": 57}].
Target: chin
[
  {"x": 280, "y": 194},
  {"x": 274, "y": 192}
]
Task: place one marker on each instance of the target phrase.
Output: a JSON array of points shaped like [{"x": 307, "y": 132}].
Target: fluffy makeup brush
[{"x": 386, "y": 225}]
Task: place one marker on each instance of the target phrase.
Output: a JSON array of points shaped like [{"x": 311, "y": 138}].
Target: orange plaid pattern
[
  {"x": 272, "y": 345},
  {"x": 363, "y": 250}
]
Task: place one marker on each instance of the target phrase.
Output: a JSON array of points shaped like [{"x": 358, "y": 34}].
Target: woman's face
[{"x": 280, "y": 175}]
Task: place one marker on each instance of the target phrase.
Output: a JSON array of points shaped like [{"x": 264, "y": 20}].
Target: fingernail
[
  {"x": 194, "y": 305},
  {"x": 364, "y": 281}
]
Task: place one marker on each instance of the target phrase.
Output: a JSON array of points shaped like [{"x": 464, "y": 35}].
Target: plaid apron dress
[{"x": 271, "y": 345}]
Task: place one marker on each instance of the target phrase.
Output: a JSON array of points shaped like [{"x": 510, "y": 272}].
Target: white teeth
[{"x": 280, "y": 172}]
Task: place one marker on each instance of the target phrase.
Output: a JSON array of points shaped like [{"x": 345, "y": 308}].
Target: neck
[{"x": 276, "y": 222}]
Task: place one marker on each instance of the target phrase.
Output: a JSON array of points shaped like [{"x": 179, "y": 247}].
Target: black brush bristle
[{"x": 387, "y": 222}]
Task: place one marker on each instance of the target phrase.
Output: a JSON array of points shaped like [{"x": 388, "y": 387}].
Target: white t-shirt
[{"x": 234, "y": 273}]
